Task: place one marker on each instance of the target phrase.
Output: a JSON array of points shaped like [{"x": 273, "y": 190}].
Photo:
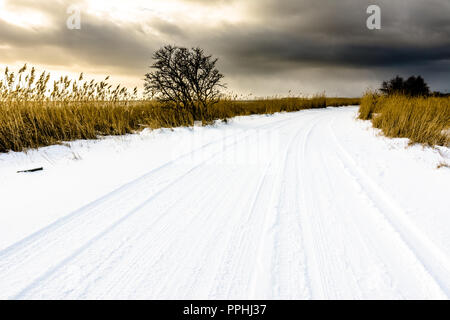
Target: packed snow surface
[{"x": 307, "y": 205}]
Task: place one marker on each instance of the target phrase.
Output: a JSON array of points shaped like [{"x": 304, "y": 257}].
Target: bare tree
[{"x": 187, "y": 78}]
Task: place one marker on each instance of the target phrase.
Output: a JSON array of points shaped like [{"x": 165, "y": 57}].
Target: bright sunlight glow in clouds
[
  {"x": 172, "y": 11},
  {"x": 23, "y": 18}
]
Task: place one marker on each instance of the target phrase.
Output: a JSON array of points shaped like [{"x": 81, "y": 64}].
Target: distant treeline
[{"x": 411, "y": 87}]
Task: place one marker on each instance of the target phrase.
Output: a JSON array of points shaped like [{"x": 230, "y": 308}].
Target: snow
[{"x": 307, "y": 205}]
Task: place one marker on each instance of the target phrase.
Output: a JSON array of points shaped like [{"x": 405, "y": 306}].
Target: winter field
[{"x": 304, "y": 205}]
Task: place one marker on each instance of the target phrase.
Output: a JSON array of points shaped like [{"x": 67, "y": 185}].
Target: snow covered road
[{"x": 306, "y": 205}]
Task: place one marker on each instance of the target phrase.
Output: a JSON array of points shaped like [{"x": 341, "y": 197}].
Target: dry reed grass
[
  {"x": 32, "y": 115},
  {"x": 424, "y": 120}
]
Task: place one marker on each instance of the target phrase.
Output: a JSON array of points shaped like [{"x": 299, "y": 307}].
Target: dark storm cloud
[
  {"x": 275, "y": 38},
  {"x": 326, "y": 33},
  {"x": 415, "y": 37}
]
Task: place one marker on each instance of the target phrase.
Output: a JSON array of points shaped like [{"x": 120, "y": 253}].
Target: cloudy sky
[{"x": 265, "y": 47}]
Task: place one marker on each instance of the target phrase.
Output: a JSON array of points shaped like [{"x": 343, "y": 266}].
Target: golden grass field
[
  {"x": 34, "y": 115},
  {"x": 424, "y": 120}
]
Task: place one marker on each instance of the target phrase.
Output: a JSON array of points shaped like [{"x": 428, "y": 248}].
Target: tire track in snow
[
  {"x": 212, "y": 234},
  {"x": 97, "y": 237},
  {"x": 342, "y": 261},
  {"x": 307, "y": 228},
  {"x": 99, "y": 265},
  {"x": 435, "y": 261},
  {"x": 289, "y": 268},
  {"x": 311, "y": 245},
  {"x": 33, "y": 243},
  {"x": 236, "y": 278},
  {"x": 117, "y": 192},
  {"x": 147, "y": 233}
]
